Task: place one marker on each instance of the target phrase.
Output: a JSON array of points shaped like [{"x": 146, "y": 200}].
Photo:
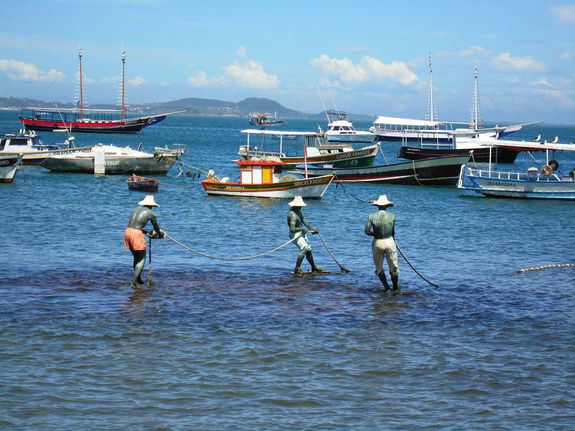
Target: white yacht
[{"x": 340, "y": 129}]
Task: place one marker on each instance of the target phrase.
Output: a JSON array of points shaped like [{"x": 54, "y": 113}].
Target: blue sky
[{"x": 368, "y": 57}]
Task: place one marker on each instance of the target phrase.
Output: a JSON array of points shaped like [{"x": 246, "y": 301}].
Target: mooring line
[
  {"x": 338, "y": 184},
  {"x": 227, "y": 258},
  {"x": 540, "y": 268}
]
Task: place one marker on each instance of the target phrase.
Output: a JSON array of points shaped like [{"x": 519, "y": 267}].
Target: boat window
[
  {"x": 17, "y": 141},
  {"x": 2, "y": 144}
]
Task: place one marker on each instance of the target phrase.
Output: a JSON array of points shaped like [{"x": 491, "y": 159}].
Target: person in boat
[
  {"x": 297, "y": 229},
  {"x": 134, "y": 239},
  {"x": 381, "y": 226}
]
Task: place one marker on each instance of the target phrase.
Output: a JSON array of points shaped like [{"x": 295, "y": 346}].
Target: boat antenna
[
  {"x": 123, "y": 82},
  {"x": 431, "y": 107},
  {"x": 81, "y": 85},
  {"x": 322, "y": 104},
  {"x": 475, "y": 116},
  {"x": 335, "y": 106}
]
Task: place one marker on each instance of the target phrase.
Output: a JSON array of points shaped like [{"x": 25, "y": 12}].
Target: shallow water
[{"x": 244, "y": 345}]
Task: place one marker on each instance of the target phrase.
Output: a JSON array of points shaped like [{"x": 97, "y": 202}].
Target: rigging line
[
  {"x": 193, "y": 167},
  {"x": 227, "y": 258},
  {"x": 412, "y": 267},
  {"x": 383, "y": 155}
]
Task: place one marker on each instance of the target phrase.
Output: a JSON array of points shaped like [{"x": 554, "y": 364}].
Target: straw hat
[
  {"x": 297, "y": 202},
  {"x": 382, "y": 201},
  {"x": 148, "y": 202}
]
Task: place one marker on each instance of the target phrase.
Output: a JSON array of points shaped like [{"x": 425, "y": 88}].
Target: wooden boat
[
  {"x": 9, "y": 165},
  {"x": 315, "y": 148},
  {"x": 433, "y": 171},
  {"x": 112, "y": 160},
  {"x": 264, "y": 179},
  {"x": 142, "y": 184},
  {"x": 33, "y": 150},
  {"x": 85, "y": 120},
  {"x": 546, "y": 182}
]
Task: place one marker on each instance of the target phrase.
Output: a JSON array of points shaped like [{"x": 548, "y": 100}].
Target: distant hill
[{"x": 192, "y": 106}]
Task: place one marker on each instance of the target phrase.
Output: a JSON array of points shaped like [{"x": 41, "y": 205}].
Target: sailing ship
[{"x": 84, "y": 120}]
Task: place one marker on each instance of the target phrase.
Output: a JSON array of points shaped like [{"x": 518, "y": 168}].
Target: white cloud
[
  {"x": 471, "y": 51},
  {"x": 368, "y": 69},
  {"x": 557, "y": 97},
  {"x": 137, "y": 81},
  {"x": 201, "y": 79},
  {"x": 564, "y": 13},
  {"x": 542, "y": 82},
  {"x": 20, "y": 71},
  {"x": 506, "y": 61},
  {"x": 242, "y": 51},
  {"x": 110, "y": 79},
  {"x": 251, "y": 74}
]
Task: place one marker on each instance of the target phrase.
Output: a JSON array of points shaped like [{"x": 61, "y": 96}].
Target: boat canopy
[
  {"x": 406, "y": 122},
  {"x": 534, "y": 146}
]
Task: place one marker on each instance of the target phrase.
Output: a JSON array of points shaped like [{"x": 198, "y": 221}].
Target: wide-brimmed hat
[
  {"x": 382, "y": 201},
  {"x": 148, "y": 202},
  {"x": 297, "y": 202}
]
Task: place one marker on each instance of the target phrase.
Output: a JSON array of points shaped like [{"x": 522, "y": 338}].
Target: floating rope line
[
  {"x": 227, "y": 258},
  {"x": 540, "y": 268}
]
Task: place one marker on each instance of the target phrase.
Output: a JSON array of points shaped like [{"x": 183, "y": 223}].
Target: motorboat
[
  {"x": 546, "y": 182},
  {"x": 32, "y": 148},
  {"x": 264, "y": 120},
  {"x": 312, "y": 148},
  {"x": 265, "y": 179},
  {"x": 9, "y": 165},
  {"x": 432, "y": 171},
  {"x": 112, "y": 160},
  {"x": 341, "y": 130}
]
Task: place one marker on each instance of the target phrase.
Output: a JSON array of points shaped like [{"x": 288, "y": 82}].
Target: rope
[
  {"x": 227, "y": 258},
  {"x": 338, "y": 184},
  {"x": 192, "y": 167},
  {"x": 331, "y": 254},
  {"x": 415, "y": 270},
  {"x": 415, "y": 173},
  {"x": 540, "y": 268}
]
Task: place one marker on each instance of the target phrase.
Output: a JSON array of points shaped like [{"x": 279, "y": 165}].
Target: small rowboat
[{"x": 142, "y": 184}]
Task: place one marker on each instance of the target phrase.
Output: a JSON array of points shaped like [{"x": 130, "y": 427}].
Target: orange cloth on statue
[{"x": 134, "y": 239}]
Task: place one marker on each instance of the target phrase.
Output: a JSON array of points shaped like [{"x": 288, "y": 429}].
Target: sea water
[{"x": 244, "y": 345}]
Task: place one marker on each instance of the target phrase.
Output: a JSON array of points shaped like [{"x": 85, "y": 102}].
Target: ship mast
[
  {"x": 81, "y": 85},
  {"x": 475, "y": 118},
  {"x": 123, "y": 83},
  {"x": 431, "y": 101}
]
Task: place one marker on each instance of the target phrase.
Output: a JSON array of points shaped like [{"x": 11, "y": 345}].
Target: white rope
[
  {"x": 540, "y": 268},
  {"x": 228, "y": 258}
]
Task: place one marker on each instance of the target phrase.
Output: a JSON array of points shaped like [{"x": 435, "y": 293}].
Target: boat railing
[
  {"x": 516, "y": 176},
  {"x": 254, "y": 152}
]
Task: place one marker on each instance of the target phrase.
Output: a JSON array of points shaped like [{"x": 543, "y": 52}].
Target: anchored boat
[
  {"x": 547, "y": 182},
  {"x": 111, "y": 160},
  {"x": 9, "y": 165},
  {"x": 315, "y": 149},
  {"x": 264, "y": 179},
  {"x": 142, "y": 184},
  {"x": 432, "y": 171},
  {"x": 84, "y": 120}
]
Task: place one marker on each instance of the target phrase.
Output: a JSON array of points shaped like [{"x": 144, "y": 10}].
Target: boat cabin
[
  {"x": 259, "y": 171},
  {"x": 23, "y": 143}
]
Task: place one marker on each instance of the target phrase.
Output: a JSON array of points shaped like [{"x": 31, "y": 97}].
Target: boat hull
[
  {"x": 311, "y": 188},
  {"x": 110, "y": 126},
  {"x": 37, "y": 158},
  {"x": 113, "y": 165},
  {"x": 479, "y": 155},
  {"x": 147, "y": 185},
  {"x": 350, "y": 139},
  {"x": 434, "y": 171},
  {"x": 356, "y": 158},
  {"x": 517, "y": 185},
  {"x": 9, "y": 165}
]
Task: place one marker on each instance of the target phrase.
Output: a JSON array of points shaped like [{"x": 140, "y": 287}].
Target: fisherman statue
[
  {"x": 381, "y": 226},
  {"x": 134, "y": 239},
  {"x": 297, "y": 229}
]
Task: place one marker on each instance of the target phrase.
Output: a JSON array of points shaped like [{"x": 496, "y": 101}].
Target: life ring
[
  {"x": 546, "y": 170},
  {"x": 554, "y": 164}
]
